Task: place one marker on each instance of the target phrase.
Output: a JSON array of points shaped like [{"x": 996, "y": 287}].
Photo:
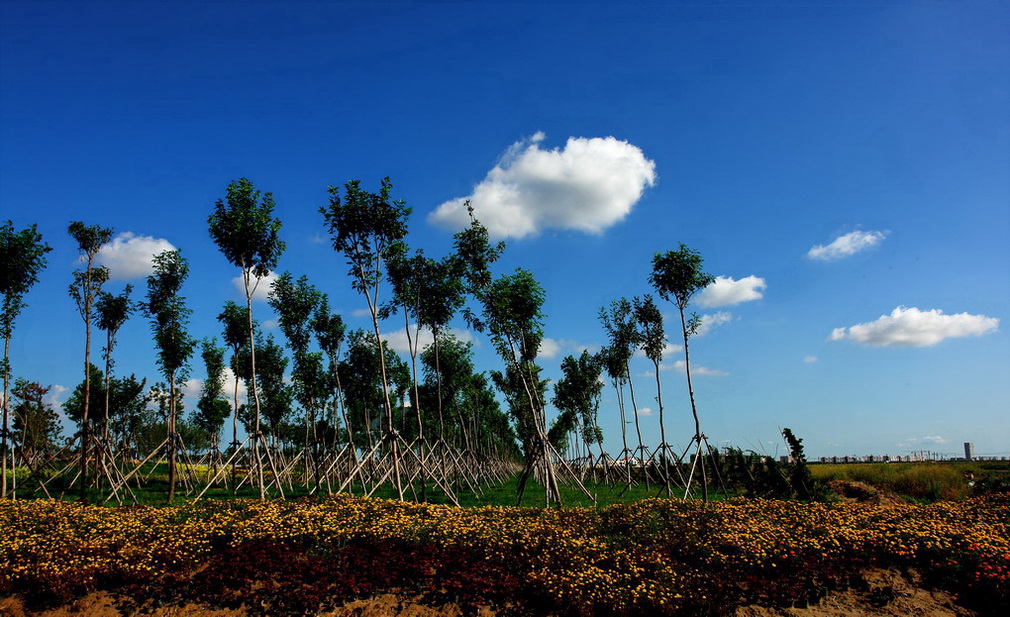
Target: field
[{"x": 651, "y": 557}]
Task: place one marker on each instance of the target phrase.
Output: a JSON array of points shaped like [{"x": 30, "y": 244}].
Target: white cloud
[
  {"x": 54, "y": 398},
  {"x": 191, "y": 389},
  {"x": 668, "y": 349},
  {"x": 397, "y": 339},
  {"x": 929, "y": 440},
  {"x": 726, "y": 290},
  {"x": 262, "y": 286},
  {"x": 644, "y": 411},
  {"x": 549, "y": 348},
  {"x": 713, "y": 320},
  {"x": 361, "y": 313},
  {"x": 810, "y": 359},
  {"x": 130, "y": 256},
  {"x": 910, "y": 327},
  {"x": 228, "y": 389},
  {"x": 848, "y": 244},
  {"x": 552, "y": 348},
  {"x": 589, "y": 185},
  {"x": 679, "y": 367}
]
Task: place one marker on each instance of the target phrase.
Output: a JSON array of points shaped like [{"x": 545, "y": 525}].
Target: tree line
[{"x": 369, "y": 417}]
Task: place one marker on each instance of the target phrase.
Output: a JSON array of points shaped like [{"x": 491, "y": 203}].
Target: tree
[
  {"x": 36, "y": 425},
  {"x": 22, "y": 258},
  {"x": 677, "y": 276},
  {"x": 578, "y": 393},
  {"x": 169, "y": 319},
  {"x": 243, "y": 227},
  {"x": 212, "y": 408},
  {"x": 235, "y": 322},
  {"x": 295, "y": 303},
  {"x": 368, "y": 228},
  {"x": 111, "y": 313},
  {"x": 622, "y": 330},
  {"x": 652, "y": 338},
  {"x": 329, "y": 330},
  {"x": 87, "y": 283}
]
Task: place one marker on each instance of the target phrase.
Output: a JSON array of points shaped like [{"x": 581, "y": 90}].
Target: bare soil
[{"x": 884, "y": 593}]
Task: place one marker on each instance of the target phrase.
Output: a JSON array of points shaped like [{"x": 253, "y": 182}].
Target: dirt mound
[
  {"x": 884, "y": 593},
  {"x": 102, "y": 604},
  {"x": 850, "y": 491}
]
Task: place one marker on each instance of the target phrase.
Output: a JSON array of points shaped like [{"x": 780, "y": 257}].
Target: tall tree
[
  {"x": 84, "y": 290},
  {"x": 111, "y": 313},
  {"x": 212, "y": 408},
  {"x": 36, "y": 425},
  {"x": 677, "y": 276},
  {"x": 22, "y": 258},
  {"x": 578, "y": 392},
  {"x": 652, "y": 338},
  {"x": 619, "y": 323},
  {"x": 295, "y": 302},
  {"x": 367, "y": 229},
  {"x": 169, "y": 319},
  {"x": 329, "y": 329},
  {"x": 235, "y": 323},
  {"x": 244, "y": 229}
]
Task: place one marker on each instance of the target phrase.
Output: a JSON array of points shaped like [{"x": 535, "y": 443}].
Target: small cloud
[
  {"x": 668, "y": 350},
  {"x": 261, "y": 286},
  {"x": 589, "y": 185},
  {"x": 810, "y": 359},
  {"x": 318, "y": 238},
  {"x": 644, "y": 411},
  {"x": 551, "y": 348},
  {"x": 361, "y": 313},
  {"x": 130, "y": 256},
  {"x": 397, "y": 339},
  {"x": 911, "y": 327},
  {"x": 695, "y": 370},
  {"x": 846, "y": 245},
  {"x": 713, "y": 320},
  {"x": 270, "y": 324},
  {"x": 229, "y": 382},
  {"x": 929, "y": 440},
  {"x": 726, "y": 290},
  {"x": 54, "y": 398},
  {"x": 191, "y": 389}
]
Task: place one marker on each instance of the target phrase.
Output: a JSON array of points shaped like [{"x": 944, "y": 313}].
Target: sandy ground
[{"x": 887, "y": 594}]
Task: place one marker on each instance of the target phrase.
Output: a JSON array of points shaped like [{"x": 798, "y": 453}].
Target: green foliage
[
  {"x": 578, "y": 392},
  {"x": 243, "y": 227},
  {"x": 649, "y": 321},
  {"x": 22, "y": 259},
  {"x": 36, "y": 424},
  {"x": 127, "y": 400},
  {"x": 169, "y": 314},
  {"x": 362, "y": 383},
  {"x": 677, "y": 275},
  {"x": 366, "y": 228},
  {"x": 212, "y": 407}
]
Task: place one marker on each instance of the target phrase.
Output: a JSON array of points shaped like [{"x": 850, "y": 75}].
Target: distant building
[{"x": 969, "y": 451}]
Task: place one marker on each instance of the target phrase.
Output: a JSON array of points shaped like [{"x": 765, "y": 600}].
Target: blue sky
[{"x": 593, "y": 135}]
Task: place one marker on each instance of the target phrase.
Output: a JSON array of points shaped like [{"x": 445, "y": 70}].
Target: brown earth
[
  {"x": 885, "y": 593},
  {"x": 849, "y": 491}
]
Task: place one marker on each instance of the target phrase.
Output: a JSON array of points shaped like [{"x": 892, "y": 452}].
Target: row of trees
[{"x": 366, "y": 411}]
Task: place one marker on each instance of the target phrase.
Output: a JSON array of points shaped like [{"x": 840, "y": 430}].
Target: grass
[{"x": 921, "y": 482}]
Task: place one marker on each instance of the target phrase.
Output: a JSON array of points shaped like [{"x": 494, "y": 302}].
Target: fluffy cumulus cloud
[
  {"x": 589, "y": 185},
  {"x": 262, "y": 286},
  {"x": 130, "y": 256},
  {"x": 845, "y": 245},
  {"x": 726, "y": 291},
  {"x": 55, "y": 397},
  {"x": 713, "y": 320},
  {"x": 553, "y": 348},
  {"x": 668, "y": 350},
  {"x": 397, "y": 339},
  {"x": 911, "y": 327}
]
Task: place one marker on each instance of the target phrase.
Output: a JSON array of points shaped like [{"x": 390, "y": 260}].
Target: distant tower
[{"x": 969, "y": 451}]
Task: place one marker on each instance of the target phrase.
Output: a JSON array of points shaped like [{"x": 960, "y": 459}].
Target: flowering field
[{"x": 653, "y": 557}]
